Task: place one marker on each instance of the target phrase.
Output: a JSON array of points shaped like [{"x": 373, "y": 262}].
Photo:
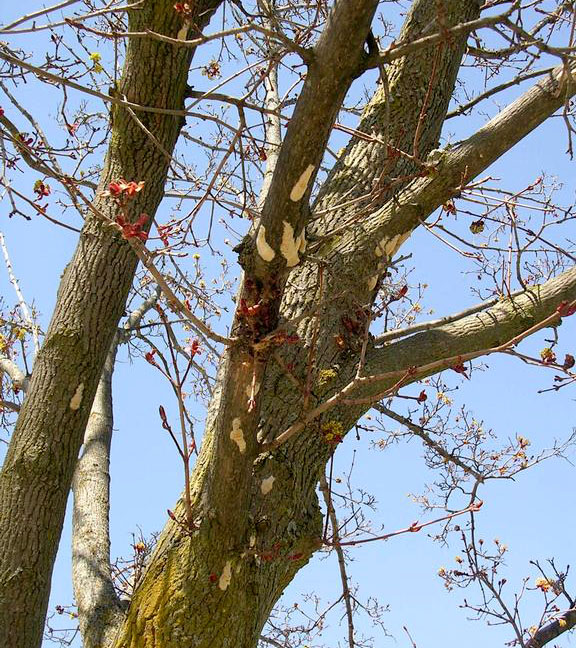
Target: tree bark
[
  {"x": 257, "y": 520},
  {"x": 257, "y": 515},
  {"x": 100, "y": 610},
  {"x": 38, "y": 468}
]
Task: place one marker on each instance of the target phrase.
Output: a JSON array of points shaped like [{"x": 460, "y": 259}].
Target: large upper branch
[
  {"x": 382, "y": 234},
  {"x": 413, "y": 96},
  {"x": 406, "y": 113},
  {"x": 495, "y": 328},
  {"x": 336, "y": 60}
]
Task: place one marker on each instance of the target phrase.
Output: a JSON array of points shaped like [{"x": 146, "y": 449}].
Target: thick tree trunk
[
  {"x": 257, "y": 514},
  {"x": 257, "y": 522},
  {"x": 37, "y": 472},
  {"x": 258, "y": 519}
]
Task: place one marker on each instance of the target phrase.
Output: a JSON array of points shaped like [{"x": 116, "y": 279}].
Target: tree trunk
[
  {"x": 38, "y": 468},
  {"x": 270, "y": 431},
  {"x": 258, "y": 519},
  {"x": 100, "y": 610}
]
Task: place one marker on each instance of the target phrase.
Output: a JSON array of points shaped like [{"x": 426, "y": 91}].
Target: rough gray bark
[
  {"x": 272, "y": 509},
  {"x": 274, "y": 492},
  {"x": 100, "y": 609}
]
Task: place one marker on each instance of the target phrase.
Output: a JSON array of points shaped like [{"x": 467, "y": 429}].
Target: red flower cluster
[
  {"x": 193, "y": 348},
  {"x": 400, "y": 293},
  {"x": 123, "y": 191},
  {"x": 72, "y": 128},
  {"x": 183, "y": 8},
  {"x": 245, "y": 310},
  {"x": 27, "y": 141},
  {"x": 122, "y": 188},
  {"x": 150, "y": 358},
  {"x": 133, "y": 230},
  {"x": 165, "y": 231},
  {"x": 41, "y": 189},
  {"x": 460, "y": 368}
]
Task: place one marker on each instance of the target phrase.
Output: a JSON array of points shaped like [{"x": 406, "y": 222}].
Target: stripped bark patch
[
  {"x": 264, "y": 250},
  {"x": 299, "y": 189},
  {"x": 266, "y": 485},
  {"x": 226, "y": 576},
  {"x": 237, "y": 435},
  {"x": 76, "y": 400},
  {"x": 289, "y": 246},
  {"x": 372, "y": 281},
  {"x": 389, "y": 247}
]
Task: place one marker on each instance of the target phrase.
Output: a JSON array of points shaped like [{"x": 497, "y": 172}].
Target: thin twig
[
  {"x": 434, "y": 445},
  {"x": 335, "y": 542}
]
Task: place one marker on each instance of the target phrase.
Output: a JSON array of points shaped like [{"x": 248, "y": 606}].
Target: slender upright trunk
[{"x": 37, "y": 472}]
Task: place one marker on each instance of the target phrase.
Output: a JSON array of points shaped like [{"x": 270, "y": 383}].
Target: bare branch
[
  {"x": 336, "y": 61},
  {"x": 419, "y": 431},
  {"x": 335, "y": 542}
]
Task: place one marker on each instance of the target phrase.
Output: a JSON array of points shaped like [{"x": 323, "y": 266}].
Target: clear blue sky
[{"x": 532, "y": 514}]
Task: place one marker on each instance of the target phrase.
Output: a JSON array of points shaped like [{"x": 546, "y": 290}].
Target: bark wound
[
  {"x": 387, "y": 247},
  {"x": 226, "y": 576},
  {"x": 183, "y": 33},
  {"x": 372, "y": 281},
  {"x": 299, "y": 189},
  {"x": 76, "y": 400},
  {"x": 237, "y": 435},
  {"x": 266, "y": 485},
  {"x": 264, "y": 250},
  {"x": 290, "y": 245}
]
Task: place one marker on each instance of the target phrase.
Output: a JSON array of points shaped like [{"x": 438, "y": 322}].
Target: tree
[{"x": 304, "y": 358}]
